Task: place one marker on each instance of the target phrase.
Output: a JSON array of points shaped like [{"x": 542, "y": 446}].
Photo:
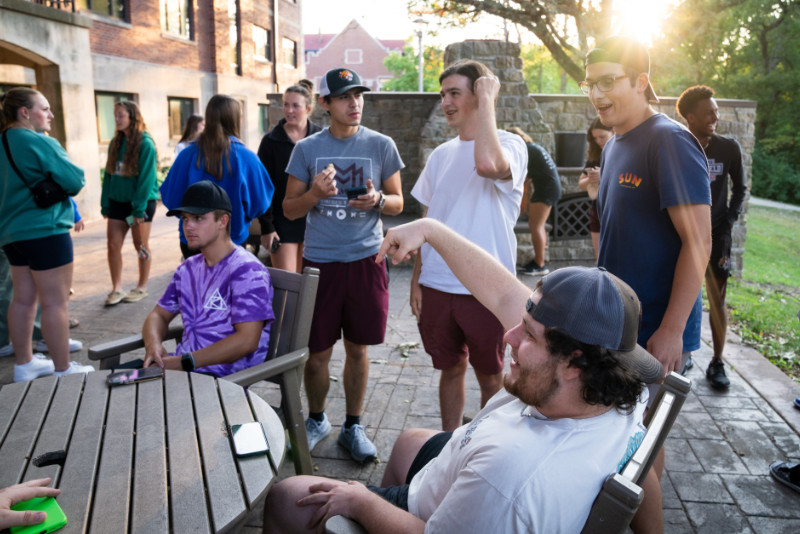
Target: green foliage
[
  {"x": 764, "y": 303},
  {"x": 543, "y": 74},
  {"x": 774, "y": 176},
  {"x": 747, "y": 49},
  {"x": 405, "y": 69}
]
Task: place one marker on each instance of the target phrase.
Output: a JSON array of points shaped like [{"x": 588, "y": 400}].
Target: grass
[{"x": 764, "y": 302}]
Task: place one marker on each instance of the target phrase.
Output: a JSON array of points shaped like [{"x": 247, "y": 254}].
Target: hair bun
[{"x": 308, "y": 84}]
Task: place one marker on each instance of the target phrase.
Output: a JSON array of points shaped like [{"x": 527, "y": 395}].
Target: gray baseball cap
[{"x": 595, "y": 307}]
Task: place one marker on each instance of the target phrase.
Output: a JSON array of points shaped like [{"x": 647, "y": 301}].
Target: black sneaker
[
  {"x": 533, "y": 269},
  {"x": 716, "y": 375}
]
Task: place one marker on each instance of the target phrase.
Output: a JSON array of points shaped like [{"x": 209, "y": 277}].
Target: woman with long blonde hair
[{"x": 128, "y": 198}]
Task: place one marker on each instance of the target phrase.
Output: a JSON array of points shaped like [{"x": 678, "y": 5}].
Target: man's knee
[
  {"x": 456, "y": 370},
  {"x": 281, "y": 510}
]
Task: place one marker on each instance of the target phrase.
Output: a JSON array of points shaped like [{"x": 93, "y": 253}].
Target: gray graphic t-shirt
[{"x": 334, "y": 230}]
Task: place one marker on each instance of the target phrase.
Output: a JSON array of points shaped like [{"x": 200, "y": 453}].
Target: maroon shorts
[
  {"x": 352, "y": 299},
  {"x": 454, "y": 327}
]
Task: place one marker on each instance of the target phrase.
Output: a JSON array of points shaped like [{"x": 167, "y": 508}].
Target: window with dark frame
[
  {"x": 263, "y": 118},
  {"x": 109, "y": 8},
  {"x": 262, "y": 39},
  {"x": 104, "y": 104},
  {"x": 289, "y": 52},
  {"x": 176, "y": 18},
  {"x": 235, "y": 35},
  {"x": 178, "y": 112}
]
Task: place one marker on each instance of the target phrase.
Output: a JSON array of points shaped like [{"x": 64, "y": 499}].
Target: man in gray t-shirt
[{"x": 341, "y": 179}]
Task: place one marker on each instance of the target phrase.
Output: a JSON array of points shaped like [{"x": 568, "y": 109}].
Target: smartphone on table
[
  {"x": 55, "y": 515},
  {"x": 131, "y": 376}
]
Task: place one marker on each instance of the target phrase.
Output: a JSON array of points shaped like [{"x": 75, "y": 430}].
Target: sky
[{"x": 389, "y": 19}]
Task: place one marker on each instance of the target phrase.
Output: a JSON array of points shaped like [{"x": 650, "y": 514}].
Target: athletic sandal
[
  {"x": 115, "y": 297},
  {"x": 787, "y": 474},
  {"x": 135, "y": 295},
  {"x": 74, "y": 323}
]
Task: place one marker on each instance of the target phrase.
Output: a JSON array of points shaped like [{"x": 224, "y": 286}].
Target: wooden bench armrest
[{"x": 274, "y": 367}]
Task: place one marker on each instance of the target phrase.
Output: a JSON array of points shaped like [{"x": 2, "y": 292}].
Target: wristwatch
[
  {"x": 187, "y": 361},
  {"x": 381, "y": 201}
]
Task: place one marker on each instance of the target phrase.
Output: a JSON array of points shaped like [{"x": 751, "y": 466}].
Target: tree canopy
[{"x": 405, "y": 67}]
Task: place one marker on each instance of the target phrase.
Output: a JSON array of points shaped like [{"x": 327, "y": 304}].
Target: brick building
[
  {"x": 170, "y": 56},
  {"x": 353, "y": 47}
]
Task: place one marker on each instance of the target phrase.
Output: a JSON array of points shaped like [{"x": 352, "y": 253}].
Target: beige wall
[{"x": 57, "y": 47}]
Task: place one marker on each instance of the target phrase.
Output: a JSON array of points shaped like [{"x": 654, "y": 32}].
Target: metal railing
[{"x": 68, "y": 5}]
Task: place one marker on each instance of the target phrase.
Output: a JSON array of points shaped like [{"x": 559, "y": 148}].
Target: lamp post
[{"x": 420, "y": 22}]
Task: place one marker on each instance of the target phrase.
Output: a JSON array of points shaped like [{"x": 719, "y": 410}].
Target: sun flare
[{"x": 641, "y": 19}]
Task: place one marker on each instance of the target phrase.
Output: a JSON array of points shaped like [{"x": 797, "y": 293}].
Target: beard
[{"x": 535, "y": 387}]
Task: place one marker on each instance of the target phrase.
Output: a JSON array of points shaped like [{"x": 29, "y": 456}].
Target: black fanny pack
[{"x": 45, "y": 193}]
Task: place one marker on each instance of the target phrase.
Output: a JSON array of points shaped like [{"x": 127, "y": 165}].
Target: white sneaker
[
  {"x": 74, "y": 368},
  {"x": 316, "y": 431},
  {"x": 38, "y": 366},
  {"x": 74, "y": 345},
  {"x": 8, "y": 350}
]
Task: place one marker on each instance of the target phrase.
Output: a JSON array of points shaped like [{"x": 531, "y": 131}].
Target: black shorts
[
  {"x": 545, "y": 190},
  {"x": 720, "y": 261},
  {"x": 398, "y": 495},
  {"x": 594, "y": 219},
  {"x": 121, "y": 210},
  {"x": 42, "y": 253}
]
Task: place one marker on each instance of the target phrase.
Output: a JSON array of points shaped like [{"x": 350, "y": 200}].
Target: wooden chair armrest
[
  {"x": 271, "y": 368},
  {"x": 614, "y": 507},
  {"x": 108, "y": 353},
  {"x": 340, "y": 524}
]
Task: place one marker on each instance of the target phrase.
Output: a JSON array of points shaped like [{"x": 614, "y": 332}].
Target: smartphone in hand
[
  {"x": 55, "y": 515},
  {"x": 354, "y": 192}
]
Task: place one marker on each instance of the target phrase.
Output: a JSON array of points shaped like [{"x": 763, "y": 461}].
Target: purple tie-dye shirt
[{"x": 211, "y": 300}]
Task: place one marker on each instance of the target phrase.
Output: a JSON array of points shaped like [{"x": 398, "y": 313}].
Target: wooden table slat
[
  {"x": 222, "y": 479},
  {"x": 10, "y": 399},
  {"x": 18, "y": 446},
  {"x": 273, "y": 427},
  {"x": 189, "y": 512},
  {"x": 255, "y": 470},
  {"x": 80, "y": 467},
  {"x": 111, "y": 508},
  {"x": 57, "y": 428},
  {"x": 150, "y": 504}
]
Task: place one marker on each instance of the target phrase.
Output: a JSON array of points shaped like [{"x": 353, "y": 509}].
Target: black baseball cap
[
  {"x": 202, "y": 197},
  {"x": 597, "y": 308},
  {"x": 628, "y": 53},
  {"x": 339, "y": 81}
]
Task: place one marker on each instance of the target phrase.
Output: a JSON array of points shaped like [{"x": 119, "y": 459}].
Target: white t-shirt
[
  {"x": 481, "y": 209},
  {"x": 513, "y": 470}
]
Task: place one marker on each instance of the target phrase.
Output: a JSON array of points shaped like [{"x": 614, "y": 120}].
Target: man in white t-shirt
[
  {"x": 473, "y": 184},
  {"x": 534, "y": 458}
]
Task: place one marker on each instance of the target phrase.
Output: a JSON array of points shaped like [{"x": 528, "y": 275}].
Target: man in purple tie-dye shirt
[{"x": 223, "y": 294}]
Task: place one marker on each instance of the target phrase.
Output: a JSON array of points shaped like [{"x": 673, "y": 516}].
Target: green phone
[{"x": 55, "y": 516}]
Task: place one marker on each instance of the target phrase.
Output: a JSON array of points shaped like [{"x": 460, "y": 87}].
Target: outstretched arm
[{"x": 487, "y": 279}]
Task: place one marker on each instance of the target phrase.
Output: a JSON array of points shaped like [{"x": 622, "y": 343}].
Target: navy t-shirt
[{"x": 656, "y": 165}]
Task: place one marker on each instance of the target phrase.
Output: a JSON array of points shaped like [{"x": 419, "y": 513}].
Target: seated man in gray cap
[
  {"x": 534, "y": 458},
  {"x": 223, "y": 294}
]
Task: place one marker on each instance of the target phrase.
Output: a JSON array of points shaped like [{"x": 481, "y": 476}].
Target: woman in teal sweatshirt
[
  {"x": 129, "y": 197},
  {"x": 36, "y": 240}
]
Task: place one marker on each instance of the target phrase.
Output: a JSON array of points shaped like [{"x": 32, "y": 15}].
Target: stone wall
[{"x": 416, "y": 123}]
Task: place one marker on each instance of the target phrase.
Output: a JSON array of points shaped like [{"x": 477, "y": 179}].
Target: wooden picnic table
[{"x": 151, "y": 457}]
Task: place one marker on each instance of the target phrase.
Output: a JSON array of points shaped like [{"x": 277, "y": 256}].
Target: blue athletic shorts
[{"x": 42, "y": 253}]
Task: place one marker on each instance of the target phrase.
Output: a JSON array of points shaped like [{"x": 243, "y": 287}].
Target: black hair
[
  {"x": 690, "y": 97},
  {"x": 605, "y": 380}
]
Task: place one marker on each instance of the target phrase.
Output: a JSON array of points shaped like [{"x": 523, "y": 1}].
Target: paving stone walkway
[{"x": 718, "y": 454}]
